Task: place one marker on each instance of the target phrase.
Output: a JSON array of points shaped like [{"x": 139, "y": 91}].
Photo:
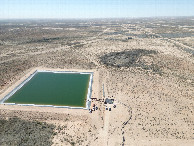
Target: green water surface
[{"x": 47, "y": 88}]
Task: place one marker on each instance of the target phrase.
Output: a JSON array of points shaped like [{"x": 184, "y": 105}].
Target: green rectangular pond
[{"x": 53, "y": 88}]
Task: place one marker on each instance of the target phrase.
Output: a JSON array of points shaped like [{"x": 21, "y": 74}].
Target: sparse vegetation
[
  {"x": 16, "y": 131},
  {"x": 150, "y": 77}
]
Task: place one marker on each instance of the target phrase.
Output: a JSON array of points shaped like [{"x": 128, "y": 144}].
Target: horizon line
[{"x": 96, "y": 18}]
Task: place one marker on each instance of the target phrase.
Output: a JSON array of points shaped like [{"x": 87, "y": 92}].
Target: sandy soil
[{"x": 153, "y": 92}]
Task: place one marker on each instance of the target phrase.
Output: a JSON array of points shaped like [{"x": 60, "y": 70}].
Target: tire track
[{"x": 129, "y": 109}]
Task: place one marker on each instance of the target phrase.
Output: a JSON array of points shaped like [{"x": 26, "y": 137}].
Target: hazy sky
[{"x": 94, "y": 8}]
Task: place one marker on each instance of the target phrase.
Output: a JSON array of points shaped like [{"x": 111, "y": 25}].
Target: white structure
[{"x": 89, "y": 94}]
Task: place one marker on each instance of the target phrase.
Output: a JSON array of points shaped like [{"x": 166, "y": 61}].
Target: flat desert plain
[{"x": 146, "y": 65}]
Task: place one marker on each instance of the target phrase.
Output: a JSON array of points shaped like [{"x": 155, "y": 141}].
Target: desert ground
[{"x": 146, "y": 65}]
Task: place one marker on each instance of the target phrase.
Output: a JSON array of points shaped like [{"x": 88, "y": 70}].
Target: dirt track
[{"x": 153, "y": 89}]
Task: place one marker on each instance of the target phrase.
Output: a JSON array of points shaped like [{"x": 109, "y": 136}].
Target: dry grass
[{"x": 150, "y": 77}]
